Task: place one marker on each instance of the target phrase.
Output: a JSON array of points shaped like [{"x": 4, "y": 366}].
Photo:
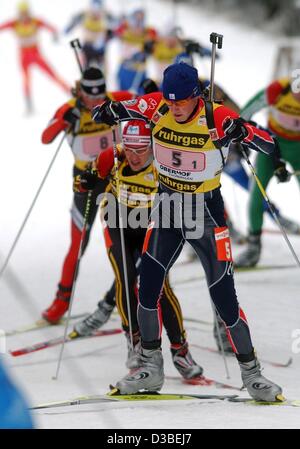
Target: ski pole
[
  {"x": 31, "y": 207},
  {"x": 270, "y": 206},
  {"x": 215, "y": 39},
  {"x": 82, "y": 237},
  {"x": 75, "y": 44},
  {"x": 118, "y": 187}
]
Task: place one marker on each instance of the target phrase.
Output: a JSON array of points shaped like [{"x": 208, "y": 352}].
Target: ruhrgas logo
[{"x": 184, "y": 139}]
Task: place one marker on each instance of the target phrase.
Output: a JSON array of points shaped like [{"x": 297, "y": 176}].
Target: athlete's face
[
  {"x": 182, "y": 109},
  {"x": 137, "y": 156},
  {"x": 91, "y": 101}
]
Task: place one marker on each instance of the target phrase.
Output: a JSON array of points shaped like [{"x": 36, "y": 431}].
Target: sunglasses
[
  {"x": 138, "y": 151},
  {"x": 179, "y": 102},
  {"x": 101, "y": 96}
]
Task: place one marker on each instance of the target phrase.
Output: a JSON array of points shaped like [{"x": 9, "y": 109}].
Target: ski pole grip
[
  {"x": 75, "y": 43},
  {"x": 216, "y": 39}
]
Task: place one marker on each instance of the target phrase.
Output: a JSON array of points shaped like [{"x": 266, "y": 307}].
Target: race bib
[
  {"x": 183, "y": 160},
  {"x": 289, "y": 122},
  {"x": 87, "y": 148}
]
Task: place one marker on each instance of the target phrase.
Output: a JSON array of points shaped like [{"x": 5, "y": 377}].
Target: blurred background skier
[
  {"x": 94, "y": 24},
  {"x": 26, "y": 27}
]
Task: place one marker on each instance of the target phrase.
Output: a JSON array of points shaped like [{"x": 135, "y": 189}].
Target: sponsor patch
[
  {"x": 156, "y": 117},
  {"x": 149, "y": 177},
  {"x": 223, "y": 245},
  {"x": 130, "y": 102},
  {"x": 213, "y": 134},
  {"x": 202, "y": 120},
  {"x": 133, "y": 130},
  {"x": 191, "y": 140},
  {"x": 142, "y": 105}
]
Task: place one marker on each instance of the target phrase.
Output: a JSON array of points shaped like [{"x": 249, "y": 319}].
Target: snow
[{"x": 269, "y": 298}]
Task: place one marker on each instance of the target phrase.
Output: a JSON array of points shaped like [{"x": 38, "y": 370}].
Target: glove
[
  {"x": 194, "y": 47},
  {"x": 235, "y": 129},
  {"x": 106, "y": 113},
  {"x": 109, "y": 34},
  {"x": 280, "y": 171},
  {"x": 71, "y": 116},
  {"x": 148, "y": 47},
  {"x": 149, "y": 86},
  {"x": 85, "y": 181}
]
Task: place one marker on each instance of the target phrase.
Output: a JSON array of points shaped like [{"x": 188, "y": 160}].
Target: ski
[
  {"x": 203, "y": 381},
  {"x": 199, "y": 277},
  {"x": 196, "y": 320},
  {"x": 263, "y": 268},
  {"x": 249, "y": 401},
  {"x": 73, "y": 336},
  {"x": 269, "y": 362},
  {"x": 148, "y": 396},
  {"x": 40, "y": 324}
]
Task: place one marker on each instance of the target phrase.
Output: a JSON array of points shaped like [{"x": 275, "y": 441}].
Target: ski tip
[
  {"x": 280, "y": 398},
  {"x": 73, "y": 335},
  {"x": 113, "y": 391}
]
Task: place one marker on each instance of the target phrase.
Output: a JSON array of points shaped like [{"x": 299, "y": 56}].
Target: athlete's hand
[
  {"x": 71, "y": 116},
  {"x": 280, "y": 171},
  {"x": 85, "y": 181},
  {"x": 149, "y": 86},
  {"x": 235, "y": 129},
  {"x": 106, "y": 113}
]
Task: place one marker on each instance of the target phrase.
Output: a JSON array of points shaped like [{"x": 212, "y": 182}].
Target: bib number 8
[{"x": 104, "y": 143}]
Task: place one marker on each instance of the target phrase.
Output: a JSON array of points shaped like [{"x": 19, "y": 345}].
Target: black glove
[
  {"x": 106, "y": 113},
  {"x": 149, "y": 86},
  {"x": 280, "y": 171},
  {"x": 148, "y": 47},
  {"x": 71, "y": 116},
  {"x": 109, "y": 34},
  {"x": 85, "y": 181},
  {"x": 235, "y": 129}
]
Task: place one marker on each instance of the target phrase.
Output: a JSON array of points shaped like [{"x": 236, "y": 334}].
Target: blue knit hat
[{"x": 180, "y": 81}]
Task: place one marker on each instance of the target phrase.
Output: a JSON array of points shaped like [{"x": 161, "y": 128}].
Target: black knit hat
[{"x": 93, "y": 82}]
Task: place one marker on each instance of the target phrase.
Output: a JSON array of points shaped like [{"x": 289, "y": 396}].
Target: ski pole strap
[{"x": 210, "y": 120}]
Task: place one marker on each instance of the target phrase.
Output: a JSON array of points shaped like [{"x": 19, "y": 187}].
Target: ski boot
[
  {"x": 149, "y": 376},
  {"x": 95, "y": 320},
  {"x": 133, "y": 355},
  {"x": 184, "y": 362},
  {"x": 59, "y": 306},
  {"x": 251, "y": 255},
  {"x": 259, "y": 388},
  {"x": 218, "y": 323}
]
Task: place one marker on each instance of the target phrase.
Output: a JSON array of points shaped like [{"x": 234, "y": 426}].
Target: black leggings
[
  {"x": 163, "y": 248},
  {"x": 170, "y": 307}
]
